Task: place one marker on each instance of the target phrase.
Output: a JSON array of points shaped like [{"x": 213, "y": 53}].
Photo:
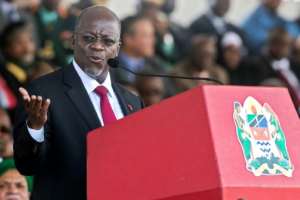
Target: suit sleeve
[{"x": 28, "y": 153}]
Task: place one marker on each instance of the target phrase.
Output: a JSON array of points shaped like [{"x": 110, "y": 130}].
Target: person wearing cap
[
  {"x": 231, "y": 56},
  {"x": 13, "y": 185}
]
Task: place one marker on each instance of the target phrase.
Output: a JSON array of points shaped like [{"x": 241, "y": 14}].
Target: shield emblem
[{"x": 262, "y": 139}]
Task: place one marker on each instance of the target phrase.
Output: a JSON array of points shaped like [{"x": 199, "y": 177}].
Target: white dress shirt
[{"x": 90, "y": 85}]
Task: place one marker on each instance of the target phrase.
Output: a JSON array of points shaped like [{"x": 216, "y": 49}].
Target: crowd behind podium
[{"x": 264, "y": 50}]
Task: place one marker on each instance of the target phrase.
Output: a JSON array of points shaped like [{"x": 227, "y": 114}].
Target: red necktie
[{"x": 106, "y": 109}]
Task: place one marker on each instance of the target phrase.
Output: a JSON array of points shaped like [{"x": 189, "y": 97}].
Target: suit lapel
[
  {"x": 80, "y": 98},
  {"x": 121, "y": 99},
  {"x": 126, "y": 106}
]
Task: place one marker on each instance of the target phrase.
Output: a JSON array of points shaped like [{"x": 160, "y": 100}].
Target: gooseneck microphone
[{"x": 114, "y": 63}]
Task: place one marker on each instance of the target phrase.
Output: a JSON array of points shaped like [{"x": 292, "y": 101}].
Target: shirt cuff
[{"x": 37, "y": 135}]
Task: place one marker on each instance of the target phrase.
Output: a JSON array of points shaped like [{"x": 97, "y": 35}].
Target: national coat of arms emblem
[{"x": 262, "y": 139}]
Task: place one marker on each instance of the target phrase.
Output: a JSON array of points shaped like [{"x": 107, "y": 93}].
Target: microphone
[{"x": 114, "y": 63}]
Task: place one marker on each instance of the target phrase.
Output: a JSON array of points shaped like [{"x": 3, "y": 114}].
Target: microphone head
[{"x": 113, "y": 62}]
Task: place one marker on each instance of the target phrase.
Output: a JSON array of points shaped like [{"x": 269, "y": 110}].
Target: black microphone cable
[{"x": 114, "y": 63}]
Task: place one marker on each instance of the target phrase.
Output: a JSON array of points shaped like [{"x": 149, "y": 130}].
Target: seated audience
[
  {"x": 18, "y": 49},
  {"x": 137, "y": 49},
  {"x": 213, "y": 22},
  {"x": 275, "y": 63},
  {"x": 265, "y": 18},
  {"x": 172, "y": 39},
  {"x": 199, "y": 63}
]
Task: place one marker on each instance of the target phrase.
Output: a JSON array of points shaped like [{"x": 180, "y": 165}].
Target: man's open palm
[{"x": 36, "y": 108}]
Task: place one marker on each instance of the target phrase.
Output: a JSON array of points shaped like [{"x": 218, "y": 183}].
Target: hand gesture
[{"x": 36, "y": 108}]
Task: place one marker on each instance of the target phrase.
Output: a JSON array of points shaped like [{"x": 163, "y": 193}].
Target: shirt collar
[
  {"x": 91, "y": 84},
  {"x": 281, "y": 64}
]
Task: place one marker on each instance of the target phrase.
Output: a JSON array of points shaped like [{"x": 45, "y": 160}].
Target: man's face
[
  {"x": 232, "y": 56},
  {"x": 204, "y": 54},
  {"x": 221, "y": 7},
  {"x": 95, "y": 42},
  {"x": 22, "y": 47},
  {"x": 142, "y": 40},
  {"x": 13, "y": 186},
  {"x": 281, "y": 49}
]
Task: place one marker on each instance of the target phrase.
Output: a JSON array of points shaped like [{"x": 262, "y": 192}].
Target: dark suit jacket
[
  {"x": 59, "y": 163},
  {"x": 203, "y": 25},
  {"x": 255, "y": 70}
]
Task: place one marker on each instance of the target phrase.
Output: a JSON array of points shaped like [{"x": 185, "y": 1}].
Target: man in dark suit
[
  {"x": 137, "y": 52},
  {"x": 213, "y": 23},
  {"x": 50, "y": 140}
]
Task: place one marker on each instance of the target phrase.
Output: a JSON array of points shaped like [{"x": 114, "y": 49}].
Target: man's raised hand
[{"x": 36, "y": 108}]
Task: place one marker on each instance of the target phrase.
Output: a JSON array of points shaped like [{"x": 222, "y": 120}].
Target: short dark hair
[
  {"x": 10, "y": 30},
  {"x": 127, "y": 25}
]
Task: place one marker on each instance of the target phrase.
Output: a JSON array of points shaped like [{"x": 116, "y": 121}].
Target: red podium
[{"x": 210, "y": 143}]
